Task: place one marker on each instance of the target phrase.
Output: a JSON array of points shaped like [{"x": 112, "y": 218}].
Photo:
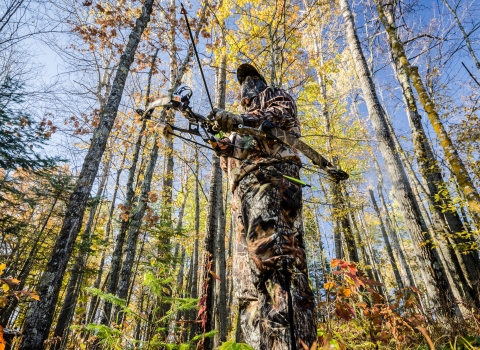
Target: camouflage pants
[{"x": 276, "y": 304}]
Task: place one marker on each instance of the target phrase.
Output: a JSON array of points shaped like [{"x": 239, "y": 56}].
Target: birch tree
[
  {"x": 437, "y": 286},
  {"x": 458, "y": 168}
]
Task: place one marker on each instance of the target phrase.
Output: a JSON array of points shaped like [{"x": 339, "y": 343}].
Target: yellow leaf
[
  {"x": 346, "y": 292},
  {"x": 5, "y": 287},
  {"x": 2, "y": 267},
  {"x": 329, "y": 285}
]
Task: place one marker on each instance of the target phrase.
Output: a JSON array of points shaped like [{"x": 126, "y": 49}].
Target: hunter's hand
[
  {"x": 225, "y": 121},
  {"x": 337, "y": 174}
]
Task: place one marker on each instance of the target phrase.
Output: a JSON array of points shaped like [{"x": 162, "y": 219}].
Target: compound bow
[{"x": 201, "y": 126}]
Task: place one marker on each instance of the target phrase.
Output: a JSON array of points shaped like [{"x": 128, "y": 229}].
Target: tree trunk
[
  {"x": 405, "y": 270},
  {"x": 340, "y": 211},
  {"x": 178, "y": 229},
  {"x": 39, "y": 319},
  {"x": 167, "y": 185},
  {"x": 134, "y": 227},
  {"x": 141, "y": 207},
  {"x": 7, "y": 311},
  {"x": 386, "y": 240},
  {"x": 219, "y": 257},
  {"x": 221, "y": 320},
  {"x": 229, "y": 273},
  {"x": 437, "y": 286},
  {"x": 166, "y": 211},
  {"x": 116, "y": 262},
  {"x": 361, "y": 245},
  {"x": 208, "y": 287},
  {"x": 453, "y": 264},
  {"x": 94, "y": 299},
  {"x": 368, "y": 251},
  {"x": 445, "y": 220},
  {"x": 451, "y": 154},
  {"x": 70, "y": 300},
  {"x": 194, "y": 267}
]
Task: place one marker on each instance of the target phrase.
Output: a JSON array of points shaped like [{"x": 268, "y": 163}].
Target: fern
[
  {"x": 230, "y": 345},
  {"x": 113, "y": 299},
  {"x": 210, "y": 334}
]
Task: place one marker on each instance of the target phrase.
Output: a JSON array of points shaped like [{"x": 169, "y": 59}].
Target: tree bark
[
  {"x": 70, "y": 299},
  {"x": 92, "y": 309},
  {"x": 340, "y": 211},
  {"x": 141, "y": 207},
  {"x": 7, "y": 311},
  {"x": 456, "y": 164},
  {"x": 436, "y": 284},
  {"x": 208, "y": 287},
  {"x": 386, "y": 240},
  {"x": 219, "y": 257},
  {"x": 39, "y": 319},
  {"x": 221, "y": 319},
  {"x": 166, "y": 211},
  {"x": 134, "y": 227},
  {"x": 452, "y": 262},
  {"x": 116, "y": 262},
  {"x": 446, "y": 221},
  {"x": 194, "y": 267}
]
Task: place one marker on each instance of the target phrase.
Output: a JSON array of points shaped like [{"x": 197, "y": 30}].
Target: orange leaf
[
  {"x": 34, "y": 295},
  {"x": 362, "y": 305},
  {"x": 2, "y": 341},
  {"x": 152, "y": 197},
  {"x": 329, "y": 285},
  {"x": 427, "y": 337},
  {"x": 3, "y": 301},
  {"x": 335, "y": 262},
  {"x": 215, "y": 275}
]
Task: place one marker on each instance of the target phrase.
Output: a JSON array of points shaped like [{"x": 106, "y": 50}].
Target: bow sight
[{"x": 198, "y": 125}]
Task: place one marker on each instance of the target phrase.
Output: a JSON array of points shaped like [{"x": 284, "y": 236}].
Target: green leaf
[
  {"x": 210, "y": 334},
  {"x": 230, "y": 345},
  {"x": 108, "y": 297}
]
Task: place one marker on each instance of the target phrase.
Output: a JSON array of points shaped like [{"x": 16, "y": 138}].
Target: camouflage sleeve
[
  {"x": 275, "y": 106},
  {"x": 224, "y": 164},
  {"x": 227, "y": 152}
]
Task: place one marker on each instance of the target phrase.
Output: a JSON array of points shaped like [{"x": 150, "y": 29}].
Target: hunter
[{"x": 276, "y": 303}]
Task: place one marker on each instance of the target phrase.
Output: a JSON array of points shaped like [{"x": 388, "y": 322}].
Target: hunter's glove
[
  {"x": 336, "y": 174},
  {"x": 225, "y": 121}
]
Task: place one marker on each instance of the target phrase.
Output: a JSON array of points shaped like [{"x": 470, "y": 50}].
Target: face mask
[{"x": 251, "y": 87}]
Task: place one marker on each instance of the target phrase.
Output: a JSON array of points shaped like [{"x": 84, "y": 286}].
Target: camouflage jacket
[{"x": 247, "y": 153}]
